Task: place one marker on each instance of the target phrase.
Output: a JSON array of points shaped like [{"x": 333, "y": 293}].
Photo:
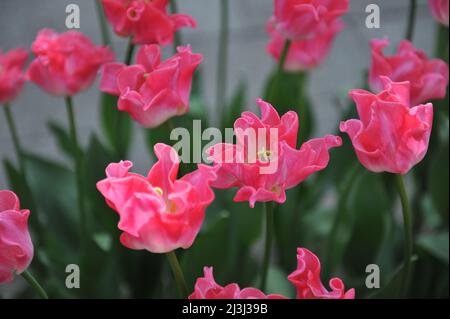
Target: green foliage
[{"x": 117, "y": 126}]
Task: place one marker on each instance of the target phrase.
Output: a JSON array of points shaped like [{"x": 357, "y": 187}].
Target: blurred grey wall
[{"x": 20, "y": 20}]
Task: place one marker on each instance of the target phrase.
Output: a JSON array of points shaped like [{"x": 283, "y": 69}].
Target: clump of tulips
[{"x": 192, "y": 213}]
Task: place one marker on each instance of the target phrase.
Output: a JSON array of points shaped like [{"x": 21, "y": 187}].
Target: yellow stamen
[
  {"x": 264, "y": 155},
  {"x": 158, "y": 190}
]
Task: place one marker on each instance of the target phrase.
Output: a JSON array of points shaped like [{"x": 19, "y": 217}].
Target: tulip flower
[
  {"x": 439, "y": 10},
  {"x": 66, "y": 63},
  {"x": 428, "y": 77},
  {"x": 303, "y": 19},
  {"x": 306, "y": 279},
  {"x": 303, "y": 54},
  {"x": 207, "y": 288},
  {"x": 152, "y": 91},
  {"x": 275, "y": 165},
  {"x": 391, "y": 135},
  {"x": 265, "y": 162},
  {"x": 12, "y": 77},
  {"x": 16, "y": 248},
  {"x": 147, "y": 22},
  {"x": 157, "y": 212}
]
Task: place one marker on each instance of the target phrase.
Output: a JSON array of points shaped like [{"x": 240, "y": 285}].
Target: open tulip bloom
[
  {"x": 145, "y": 21},
  {"x": 12, "y": 77},
  {"x": 158, "y": 212},
  {"x": 428, "y": 78},
  {"x": 391, "y": 135},
  {"x": 265, "y": 161},
  {"x": 111, "y": 228},
  {"x": 306, "y": 279},
  {"x": 152, "y": 91}
]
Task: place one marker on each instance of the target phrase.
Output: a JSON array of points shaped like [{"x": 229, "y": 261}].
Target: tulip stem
[
  {"x": 177, "y": 36},
  {"x": 106, "y": 38},
  {"x": 177, "y": 273},
  {"x": 22, "y": 166},
  {"x": 29, "y": 278},
  {"x": 130, "y": 51},
  {"x": 281, "y": 62},
  {"x": 408, "y": 245},
  {"x": 268, "y": 210},
  {"x": 78, "y": 169},
  {"x": 222, "y": 66},
  {"x": 411, "y": 20}
]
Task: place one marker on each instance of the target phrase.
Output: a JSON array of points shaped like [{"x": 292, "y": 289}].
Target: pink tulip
[
  {"x": 146, "y": 21},
  {"x": 207, "y": 288},
  {"x": 428, "y": 77},
  {"x": 265, "y": 166},
  {"x": 158, "y": 212},
  {"x": 16, "y": 248},
  {"x": 308, "y": 283},
  {"x": 12, "y": 77},
  {"x": 439, "y": 10},
  {"x": 390, "y": 136},
  {"x": 303, "y": 54},
  {"x": 303, "y": 19},
  {"x": 152, "y": 91},
  {"x": 66, "y": 63}
]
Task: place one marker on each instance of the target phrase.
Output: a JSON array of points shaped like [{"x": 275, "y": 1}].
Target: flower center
[
  {"x": 264, "y": 155},
  {"x": 171, "y": 207},
  {"x": 276, "y": 189},
  {"x": 158, "y": 190}
]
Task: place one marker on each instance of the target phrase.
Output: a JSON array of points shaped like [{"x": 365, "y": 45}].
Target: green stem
[
  {"x": 120, "y": 147},
  {"x": 15, "y": 137},
  {"x": 177, "y": 36},
  {"x": 273, "y": 92},
  {"x": 34, "y": 284},
  {"x": 78, "y": 169},
  {"x": 407, "y": 225},
  {"x": 20, "y": 156},
  {"x": 177, "y": 274},
  {"x": 222, "y": 58},
  {"x": 130, "y": 51},
  {"x": 268, "y": 207},
  {"x": 411, "y": 20},
  {"x": 106, "y": 38}
]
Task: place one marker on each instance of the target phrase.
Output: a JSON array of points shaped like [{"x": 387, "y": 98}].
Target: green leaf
[
  {"x": 363, "y": 230},
  {"x": 117, "y": 126},
  {"x": 291, "y": 95},
  {"x": 15, "y": 179},
  {"x": 102, "y": 218},
  {"x": 435, "y": 244},
  {"x": 103, "y": 240},
  {"x": 62, "y": 138},
  {"x": 392, "y": 288},
  {"x": 160, "y": 134},
  {"x": 438, "y": 181},
  {"x": 277, "y": 283},
  {"x": 235, "y": 108},
  {"x": 208, "y": 250},
  {"x": 53, "y": 186}
]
